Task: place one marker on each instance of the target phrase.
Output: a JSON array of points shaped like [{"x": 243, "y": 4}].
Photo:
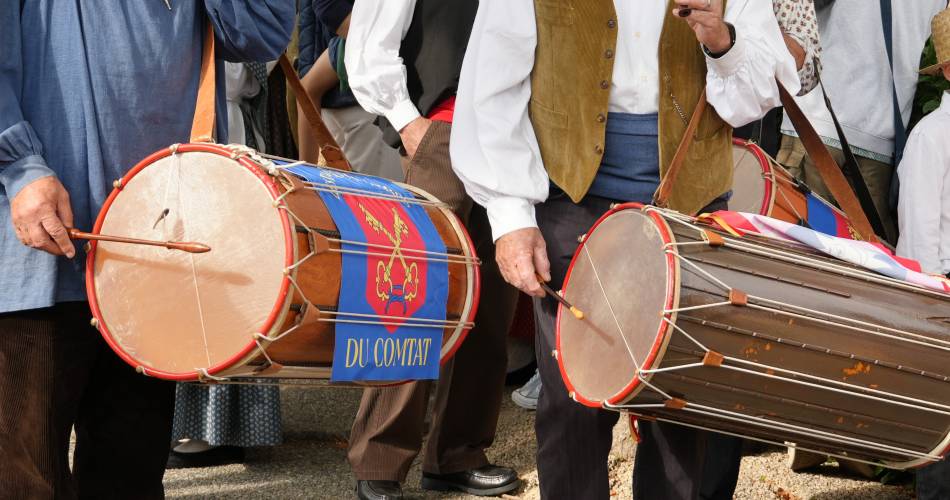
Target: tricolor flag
[{"x": 871, "y": 256}]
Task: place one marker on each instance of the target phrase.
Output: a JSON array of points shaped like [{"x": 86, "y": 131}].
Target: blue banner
[{"x": 395, "y": 287}]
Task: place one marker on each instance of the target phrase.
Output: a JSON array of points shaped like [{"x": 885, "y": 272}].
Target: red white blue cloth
[
  {"x": 871, "y": 256},
  {"x": 394, "y": 289}
]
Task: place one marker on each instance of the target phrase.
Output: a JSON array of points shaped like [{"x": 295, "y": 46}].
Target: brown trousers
[
  {"x": 58, "y": 372},
  {"x": 877, "y": 175},
  {"x": 388, "y": 430}
]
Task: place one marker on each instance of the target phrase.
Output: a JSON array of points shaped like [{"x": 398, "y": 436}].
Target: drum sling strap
[
  {"x": 202, "y": 126},
  {"x": 853, "y": 173},
  {"x": 827, "y": 167}
]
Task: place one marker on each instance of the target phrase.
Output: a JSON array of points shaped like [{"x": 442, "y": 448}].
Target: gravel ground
[{"x": 312, "y": 462}]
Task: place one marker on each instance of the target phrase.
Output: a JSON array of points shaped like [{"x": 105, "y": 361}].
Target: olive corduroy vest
[{"x": 570, "y": 92}]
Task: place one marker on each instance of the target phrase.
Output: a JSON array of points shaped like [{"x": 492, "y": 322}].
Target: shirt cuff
[
  {"x": 402, "y": 114},
  {"x": 507, "y": 214},
  {"x": 15, "y": 176},
  {"x": 728, "y": 63}
]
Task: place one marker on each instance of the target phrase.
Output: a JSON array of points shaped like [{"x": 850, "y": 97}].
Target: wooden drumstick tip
[
  {"x": 188, "y": 246},
  {"x": 577, "y": 313},
  {"x": 557, "y": 296}
]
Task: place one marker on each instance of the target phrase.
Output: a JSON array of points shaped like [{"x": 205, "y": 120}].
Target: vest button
[
  {"x": 609, "y": 54},
  {"x": 598, "y": 150},
  {"x": 612, "y": 24},
  {"x": 604, "y": 84},
  {"x": 601, "y": 118}
]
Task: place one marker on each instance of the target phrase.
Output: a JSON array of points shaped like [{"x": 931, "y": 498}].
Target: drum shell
[
  {"x": 307, "y": 351},
  {"x": 828, "y": 324}
]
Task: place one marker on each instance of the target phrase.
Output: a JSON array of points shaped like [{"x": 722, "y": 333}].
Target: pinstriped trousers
[
  {"x": 388, "y": 431},
  {"x": 57, "y": 372}
]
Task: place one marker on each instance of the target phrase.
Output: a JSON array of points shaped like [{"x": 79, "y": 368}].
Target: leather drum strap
[
  {"x": 662, "y": 196},
  {"x": 828, "y": 169},
  {"x": 202, "y": 127},
  {"x": 329, "y": 149}
]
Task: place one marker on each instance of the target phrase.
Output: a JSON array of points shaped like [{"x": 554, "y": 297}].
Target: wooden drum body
[
  {"x": 263, "y": 301},
  {"x": 756, "y": 338}
]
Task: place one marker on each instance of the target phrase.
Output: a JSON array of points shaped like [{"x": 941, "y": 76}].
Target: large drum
[
  {"x": 263, "y": 301},
  {"x": 761, "y": 186},
  {"x": 756, "y": 338}
]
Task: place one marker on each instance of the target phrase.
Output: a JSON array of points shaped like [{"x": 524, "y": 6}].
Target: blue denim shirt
[{"x": 90, "y": 88}]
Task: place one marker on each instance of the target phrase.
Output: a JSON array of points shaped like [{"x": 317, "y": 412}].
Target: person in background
[
  {"x": 323, "y": 27},
  {"x": 215, "y": 423},
  {"x": 585, "y": 114},
  {"x": 855, "y": 57},
  {"x": 923, "y": 211},
  {"x": 799, "y": 25},
  {"x": 85, "y": 93},
  {"x": 403, "y": 59}
]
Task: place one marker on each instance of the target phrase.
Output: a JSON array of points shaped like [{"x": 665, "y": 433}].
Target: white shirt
[
  {"x": 240, "y": 85},
  {"x": 375, "y": 71},
  {"x": 857, "y": 73},
  {"x": 494, "y": 149},
  {"x": 924, "y": 206}
]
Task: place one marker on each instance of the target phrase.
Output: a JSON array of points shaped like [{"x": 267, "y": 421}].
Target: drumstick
[
  {"x": 575, "y": 311},
  {"x": 184, "y": 246}
]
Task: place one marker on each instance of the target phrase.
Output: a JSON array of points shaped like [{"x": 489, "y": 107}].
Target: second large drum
[{"x": 755, "y": 337}]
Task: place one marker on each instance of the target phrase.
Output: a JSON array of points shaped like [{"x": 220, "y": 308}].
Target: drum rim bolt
[{"x": 94, "y": 322}]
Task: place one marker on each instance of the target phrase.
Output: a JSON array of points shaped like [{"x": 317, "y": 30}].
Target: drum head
[
  {"x": 622, "y": 279},
  {"x": 175, "y": 313},
  {"x": 751, "y": 192}
]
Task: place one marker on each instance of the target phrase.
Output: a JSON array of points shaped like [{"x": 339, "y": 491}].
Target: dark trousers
[
  {"x": 574, "y": 441},
  {"x": 933, "y": 481},
  {"x": 58, "y": 373},
  {"x": 389, "y": 426}
]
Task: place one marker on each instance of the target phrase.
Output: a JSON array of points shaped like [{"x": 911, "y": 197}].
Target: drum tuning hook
[{"x": 161, "y": 217}]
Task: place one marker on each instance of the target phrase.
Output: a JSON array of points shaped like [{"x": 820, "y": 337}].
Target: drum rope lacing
[
  {"x": 261, "y": 340},
  {"x": 194, "y": 266},
  {"x": 738, "y": 298}
]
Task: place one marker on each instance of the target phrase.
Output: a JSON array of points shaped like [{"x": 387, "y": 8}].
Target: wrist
[
  {"x": 19, "y": 174},
  {"x": 721, "y": 43}
]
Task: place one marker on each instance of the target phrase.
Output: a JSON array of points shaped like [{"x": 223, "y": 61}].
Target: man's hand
[
  {"x": 413, "y": 133},
  {"x": 41, "y": 213},
  {"x": 521, "y": 255},
  {"x": 705, "y": 17}
]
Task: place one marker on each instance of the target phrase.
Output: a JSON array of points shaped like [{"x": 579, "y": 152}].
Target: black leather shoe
[
  {"x": 378, "y": 490},
  {"x": 486, "y": 481}
]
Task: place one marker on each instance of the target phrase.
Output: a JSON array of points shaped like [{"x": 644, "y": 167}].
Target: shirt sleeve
[
  {"x": 306, "y": 38},
  {"x": 922, "y": 176},
  {"x": 741, "y": 84},
  {"x": 797, "y": 19},
  {"x": 332, "y": 13},
  {"x": 375, "y": 70},
  {"x": 494, "y": 150},
  {"x": 21, "y": 153},
  {"x": 251, "y": 30}
]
